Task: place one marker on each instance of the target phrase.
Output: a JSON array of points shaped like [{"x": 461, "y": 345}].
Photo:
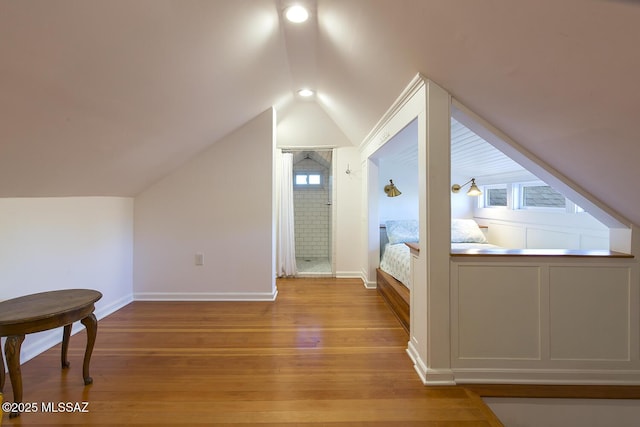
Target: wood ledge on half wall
[
  {"x": 541, "y": 252},
  {"x": 578, "y": 253}
]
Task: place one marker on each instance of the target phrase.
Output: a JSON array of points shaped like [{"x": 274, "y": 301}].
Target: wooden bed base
[{"x": 396, "y": 295}]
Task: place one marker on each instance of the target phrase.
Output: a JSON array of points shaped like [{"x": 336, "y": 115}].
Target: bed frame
[{"x": 396, "y": 295}]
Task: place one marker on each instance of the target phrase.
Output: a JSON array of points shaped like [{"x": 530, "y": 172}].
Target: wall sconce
[
  {"x": 391, "y": 190},
  {"x": 473, "y": 190}
]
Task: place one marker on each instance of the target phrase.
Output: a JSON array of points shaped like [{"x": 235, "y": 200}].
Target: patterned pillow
[{"x": 401, "y": 231}]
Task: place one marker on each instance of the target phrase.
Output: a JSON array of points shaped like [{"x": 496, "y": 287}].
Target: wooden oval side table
[{"x": 41, "y": 312}]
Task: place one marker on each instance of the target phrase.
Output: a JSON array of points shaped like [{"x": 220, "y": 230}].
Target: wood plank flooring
[{"x": 327, "y": 352}]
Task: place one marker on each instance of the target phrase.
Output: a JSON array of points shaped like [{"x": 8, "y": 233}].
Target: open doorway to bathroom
[{"x": 313, "y": 208}]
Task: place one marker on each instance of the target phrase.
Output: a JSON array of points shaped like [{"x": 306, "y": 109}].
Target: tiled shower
[{"x": 312, "y": 209}]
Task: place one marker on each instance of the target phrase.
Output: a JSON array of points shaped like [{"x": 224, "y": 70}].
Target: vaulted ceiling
[{"x": 104, "y": 97}]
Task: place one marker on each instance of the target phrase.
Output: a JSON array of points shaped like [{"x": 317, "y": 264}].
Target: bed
[{"x": 393, "y": 276}]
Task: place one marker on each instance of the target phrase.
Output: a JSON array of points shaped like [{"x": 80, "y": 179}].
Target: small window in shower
[{"x": 308, "y": 179}]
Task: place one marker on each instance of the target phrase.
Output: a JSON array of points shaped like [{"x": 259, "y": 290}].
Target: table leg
[
  {"x": 12, "y": 351},
  {"x": 65, "y": 346},
  {"x": 91, "y": 324},
  {"x": 2, "y": 378}
]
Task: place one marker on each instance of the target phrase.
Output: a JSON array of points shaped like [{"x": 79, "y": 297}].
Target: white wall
[
  {"x": 220, "y": 205},
  {"x": 461, "y": 204},
  {"x": 349, "y": 245},
  {"x": 69, "y": 242},
  {"x": 405, "y": 178},
  {"x": 305, "y": 124},
  {"x": 398, "y": 161},
  {"x": 531, "y": 229}
]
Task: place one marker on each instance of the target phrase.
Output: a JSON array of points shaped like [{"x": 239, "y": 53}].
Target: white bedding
[
  {"x": 395, "y": 261},
  {"x": 396, "y": 256}
]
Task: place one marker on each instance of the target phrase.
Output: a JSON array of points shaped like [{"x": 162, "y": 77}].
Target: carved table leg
[
  {"x": 91, "y": 323},
  {"x": 65, "y": 346},
  {"x": 12, "y": 351},
  {"x": 2, "y": 378}
]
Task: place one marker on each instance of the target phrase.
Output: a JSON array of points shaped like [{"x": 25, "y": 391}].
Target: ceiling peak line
[{"x": 301, "y": 41}]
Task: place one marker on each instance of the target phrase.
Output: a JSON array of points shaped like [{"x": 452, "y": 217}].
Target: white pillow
[{"x": 466, "y": 231}]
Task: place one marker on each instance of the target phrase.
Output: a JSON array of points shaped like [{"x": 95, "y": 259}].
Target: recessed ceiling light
[
  {"x": 305, "y": 93},
  {"x": 296, "y": 14}
]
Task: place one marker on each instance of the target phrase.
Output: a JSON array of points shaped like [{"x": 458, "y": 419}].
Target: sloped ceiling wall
[
  {"x": 104, "y": 97},
  {"x": 557, "y": 77}
]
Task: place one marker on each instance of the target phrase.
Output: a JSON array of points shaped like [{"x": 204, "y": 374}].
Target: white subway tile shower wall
[{"x": 312, "y": 214}]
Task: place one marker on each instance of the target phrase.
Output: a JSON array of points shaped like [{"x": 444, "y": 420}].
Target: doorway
[{"x": 313, "y": 208}]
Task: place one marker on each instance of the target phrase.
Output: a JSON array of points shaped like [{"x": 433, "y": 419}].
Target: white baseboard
[
  {"x": 348, "y": 275},
  {"x": 369, "y": 284},
  {"x": 205, "y": 296},
  {"x": 439, "y": 377},
  {"x": 35, "y": 344},
  {"x": 547, "y": 376},
  {"x": 103, "y": 311},
  {"x": 427, "y": 375},
  {"x": 417, "y": 363}
]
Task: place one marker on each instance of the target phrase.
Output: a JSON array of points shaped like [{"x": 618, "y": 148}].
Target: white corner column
[{"x": 430, "y": 337}]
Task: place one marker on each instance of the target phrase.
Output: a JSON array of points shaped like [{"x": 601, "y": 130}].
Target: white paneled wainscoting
[
  {"x": 545, "y": 319},
  {"x": 529, "y": 235}
]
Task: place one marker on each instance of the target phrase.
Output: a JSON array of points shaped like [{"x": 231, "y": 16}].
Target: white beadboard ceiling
[
  {"x": 105, "y": 97},
  {"x": 473, "y": 157},
  {"x": 402, "y": 148}
]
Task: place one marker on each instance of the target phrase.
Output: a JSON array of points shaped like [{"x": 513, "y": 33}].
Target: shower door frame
[{"x": 333, "y": 207}]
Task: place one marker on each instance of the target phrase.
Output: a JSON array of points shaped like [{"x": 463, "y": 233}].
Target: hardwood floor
[{"x": 326, "y": 352}]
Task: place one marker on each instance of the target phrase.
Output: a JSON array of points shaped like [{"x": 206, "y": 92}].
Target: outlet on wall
[{"x": 199, "y": 259}]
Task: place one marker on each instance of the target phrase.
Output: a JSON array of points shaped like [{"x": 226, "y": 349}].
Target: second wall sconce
[
  {"x": 391, "y": 190},
  {"x": 473, "y": 190}
]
